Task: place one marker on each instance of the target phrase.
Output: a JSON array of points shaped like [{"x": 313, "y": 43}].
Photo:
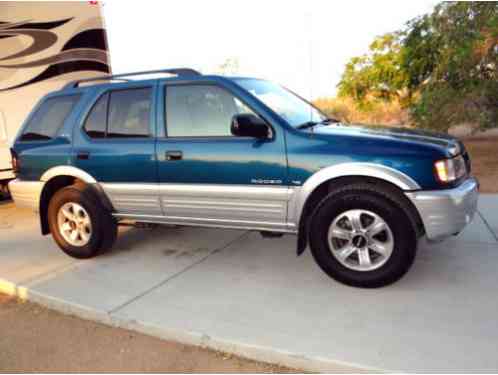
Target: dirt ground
[
  {"x": 36, "y": 339},
  {"x": 484, "y": 155}
]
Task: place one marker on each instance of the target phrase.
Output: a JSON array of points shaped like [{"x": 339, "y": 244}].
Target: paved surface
[{"x": 237, "y": 292}]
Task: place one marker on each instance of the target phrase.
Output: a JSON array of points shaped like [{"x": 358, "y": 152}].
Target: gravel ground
[
  {"x": 36, "y": 339},
  {"x": 484, "y": 155}
]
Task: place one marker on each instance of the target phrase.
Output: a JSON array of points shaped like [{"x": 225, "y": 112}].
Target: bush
[
  {"x": 376, "y": 113},
  {"x": 442, "y": 67}
]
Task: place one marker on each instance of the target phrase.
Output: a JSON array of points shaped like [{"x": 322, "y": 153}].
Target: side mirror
[{"x": 248, "y": 125}]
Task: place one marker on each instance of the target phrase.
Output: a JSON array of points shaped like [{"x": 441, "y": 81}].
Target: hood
[{"x": 451, "y": 144}]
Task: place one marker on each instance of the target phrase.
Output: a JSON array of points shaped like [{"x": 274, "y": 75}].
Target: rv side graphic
[{"x": 44, "y": 45}]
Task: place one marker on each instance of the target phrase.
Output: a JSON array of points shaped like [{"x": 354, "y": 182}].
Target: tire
[
  {"x": 4, "y": 191},
  {"x": 77, "y": 209},
  {"x": 343, "y": 223}
]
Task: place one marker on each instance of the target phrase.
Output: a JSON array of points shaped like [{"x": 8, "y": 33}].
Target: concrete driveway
[{"x": 237, "y": 292}]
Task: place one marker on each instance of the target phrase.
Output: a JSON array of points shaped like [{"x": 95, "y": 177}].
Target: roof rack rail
[{"x": 120, "y": 77}]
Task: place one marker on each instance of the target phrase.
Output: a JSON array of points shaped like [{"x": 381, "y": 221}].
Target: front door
[{"x": 210, "y": 177}]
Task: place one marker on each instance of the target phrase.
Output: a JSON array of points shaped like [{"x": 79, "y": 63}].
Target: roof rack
[{"x": 180, "y": 72}]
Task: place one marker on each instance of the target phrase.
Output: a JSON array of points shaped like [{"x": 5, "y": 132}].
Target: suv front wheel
[
  {"x": 363, "y": 235},
  {"x": 79, "y": 223}
]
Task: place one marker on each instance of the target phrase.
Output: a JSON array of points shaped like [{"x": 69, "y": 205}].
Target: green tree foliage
[
  {"x": 442, "y": 66},
  {"x": 229, "y": 67},
  {"x": 377, "y": 75}
]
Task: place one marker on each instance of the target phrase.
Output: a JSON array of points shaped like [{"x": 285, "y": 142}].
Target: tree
[
  {"x": 229, "y": 67},
  {"x": 377, "y": 75},
  {"x": 451, "y": 58},
  {"x": 442, "y": 67}
]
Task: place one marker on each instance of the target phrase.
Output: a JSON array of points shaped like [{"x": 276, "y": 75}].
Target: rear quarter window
[{"x": 49, "y": 118}]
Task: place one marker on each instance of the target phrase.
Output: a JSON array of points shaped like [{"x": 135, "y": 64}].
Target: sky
[{"x": 303, "y": 45}]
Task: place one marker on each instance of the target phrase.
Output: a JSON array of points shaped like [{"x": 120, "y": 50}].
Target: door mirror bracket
[{"x": 249, "y": 125}]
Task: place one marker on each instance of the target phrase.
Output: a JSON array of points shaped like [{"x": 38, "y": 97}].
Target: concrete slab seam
[
  {"x": 48, "y": 274},
  {"x": 486, "y": 223},
  {"x": 254, "y": 352}
]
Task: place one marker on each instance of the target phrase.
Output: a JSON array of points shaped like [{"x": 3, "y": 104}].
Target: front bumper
[
  {"x": 446, "y": 212},
  {"x": 26, "y": 193}
]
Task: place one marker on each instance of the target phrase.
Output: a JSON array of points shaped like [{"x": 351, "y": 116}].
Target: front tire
[
  {"x": 363, "y": 236},
  {"x": 80, "y": 225}
]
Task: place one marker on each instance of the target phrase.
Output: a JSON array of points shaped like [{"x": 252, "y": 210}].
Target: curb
[{"x": 253, "y": 352}]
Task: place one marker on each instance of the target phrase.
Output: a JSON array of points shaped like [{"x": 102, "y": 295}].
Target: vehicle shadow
[
  {"x": 5, "y": 200},
  {"x": 133, "y": 238}
]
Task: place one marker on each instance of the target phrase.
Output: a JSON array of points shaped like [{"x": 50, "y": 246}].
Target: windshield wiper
[
  {"x": 307, "y": 124},
  {"x": 330, "y": 120},
  {"x": 310, "y": 124}
]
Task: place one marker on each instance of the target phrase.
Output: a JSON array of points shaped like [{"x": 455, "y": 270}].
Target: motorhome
[{"x": 43, "y": 46}]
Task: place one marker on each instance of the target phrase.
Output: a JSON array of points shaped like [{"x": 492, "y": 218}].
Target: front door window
[{"x": 201, "y": 111}]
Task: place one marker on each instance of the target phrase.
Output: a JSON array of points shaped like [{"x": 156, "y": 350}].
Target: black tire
[
  {"x": 388, "y": 206},
  {"x": 4, "y": 191},
  {"x": 104, "y": 227}
]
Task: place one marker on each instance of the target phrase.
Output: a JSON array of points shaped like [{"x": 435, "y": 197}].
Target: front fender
[
  {"x": 305, "y": 195},
  {"x": 381, "y": 172}
]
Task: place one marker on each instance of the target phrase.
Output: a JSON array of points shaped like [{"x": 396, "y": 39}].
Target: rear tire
[
  {"x": 362, "y": 235},
  {"x": 80, "y": 225},
  {"x": 4, "y": 191}
]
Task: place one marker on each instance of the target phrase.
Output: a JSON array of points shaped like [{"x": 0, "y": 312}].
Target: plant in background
[
  {"x": 378, "y": 75},
  {"x": 451, "y": 57},
  {"x": 442, "y": 66},
  {"x": 347, "y": 111},
  {"x": 229, "y": 67}
]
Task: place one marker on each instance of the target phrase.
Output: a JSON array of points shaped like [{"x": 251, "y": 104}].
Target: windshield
[{"x": 291, "y": 107}]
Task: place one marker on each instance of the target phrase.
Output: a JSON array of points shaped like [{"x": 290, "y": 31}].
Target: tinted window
[
  {"x": 196, "y": 111},
  {"x": 287, "y": 104},
  {"x": 129, "y": 112},
  {"x": 96, "y": 122},
  {"x": 49, "y": 118}
]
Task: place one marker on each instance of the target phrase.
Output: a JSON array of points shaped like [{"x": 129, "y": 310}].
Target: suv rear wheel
[
  {"x": 362, "y": 235},
  {"x": 79, "y": 223}
]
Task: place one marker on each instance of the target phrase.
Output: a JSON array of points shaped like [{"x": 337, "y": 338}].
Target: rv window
[
  {"x": 49, "y": 118},
  {"x": 96, "y": 121}
]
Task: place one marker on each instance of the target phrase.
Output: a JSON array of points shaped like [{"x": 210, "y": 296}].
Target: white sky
[{"x": 303, "y": 45}]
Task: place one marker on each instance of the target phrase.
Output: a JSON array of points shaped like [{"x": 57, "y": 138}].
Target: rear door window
[
  {"x": 49, "y": 118},
  {"x": 129, "y": 112},
  {"x": 120, "y": 114},
  {"x": 96, "y": 122}
]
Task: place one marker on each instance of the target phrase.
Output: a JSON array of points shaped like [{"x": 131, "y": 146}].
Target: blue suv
[{"x": 235, "y": 152}]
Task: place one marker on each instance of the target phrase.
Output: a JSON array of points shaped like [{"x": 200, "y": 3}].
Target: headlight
[{"x": 450, "y": 170}]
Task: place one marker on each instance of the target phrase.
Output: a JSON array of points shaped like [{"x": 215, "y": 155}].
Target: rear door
[
  {"x": 207, "y": 175},
  {"x": 115, "y": 144}
]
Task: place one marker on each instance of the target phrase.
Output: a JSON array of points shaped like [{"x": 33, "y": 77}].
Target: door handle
[
  {"x": 174, "y": 155},
  {"x": 83, "y": 155}
]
